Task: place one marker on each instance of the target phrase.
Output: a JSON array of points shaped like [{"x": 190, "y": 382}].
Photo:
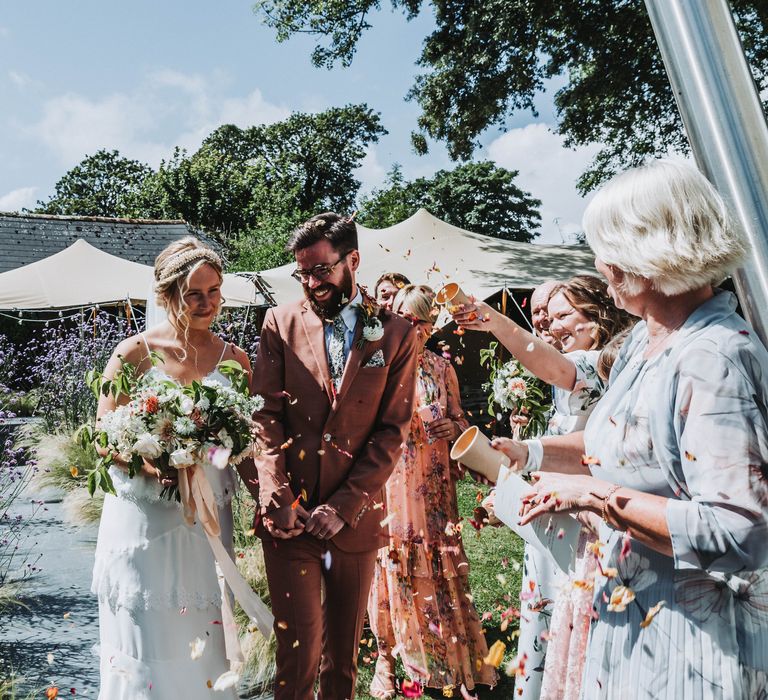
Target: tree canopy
[
  {"x": 479, "y": 197},
  {"x": 104, "y": 184},
  {"x": 487, "y": 59}
]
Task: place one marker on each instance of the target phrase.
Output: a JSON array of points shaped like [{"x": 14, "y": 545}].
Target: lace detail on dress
[
  {"x": 119, "y": 597},
  {"x": 157, "y": 574},
  {"x": 144, "y": 489},
  {"x": 139, "y": 488}
]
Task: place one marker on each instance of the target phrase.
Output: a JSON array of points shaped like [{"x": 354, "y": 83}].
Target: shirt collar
[{"x": 349, "y": 312}]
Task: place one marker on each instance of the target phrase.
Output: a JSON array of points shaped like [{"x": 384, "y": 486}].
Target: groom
[{"x": 338, "y": 377}]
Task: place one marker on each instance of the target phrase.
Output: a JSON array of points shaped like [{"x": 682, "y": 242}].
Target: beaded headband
[{"x": 180, "y": 261}]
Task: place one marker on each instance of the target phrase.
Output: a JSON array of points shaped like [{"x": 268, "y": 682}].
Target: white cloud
[
  {"x": 18, "y": 79},
  {"x": 249, "y": 110},
  {"x": 371, "y": 172},
  {"x": 16, "y": 200},
  {"x": 169, "y": 109},
  {"x": 548, "y": 170},
  {"x": 73, "y": 126}
]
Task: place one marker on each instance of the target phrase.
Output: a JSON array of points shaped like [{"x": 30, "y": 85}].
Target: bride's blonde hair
[{"x": 173, "y": 268}]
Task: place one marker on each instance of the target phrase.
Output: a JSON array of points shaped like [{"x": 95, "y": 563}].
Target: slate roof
[{"x": 27, "y": 238}]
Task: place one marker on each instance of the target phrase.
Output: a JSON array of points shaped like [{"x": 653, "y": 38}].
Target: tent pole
[{"x": 723, "y": 117}]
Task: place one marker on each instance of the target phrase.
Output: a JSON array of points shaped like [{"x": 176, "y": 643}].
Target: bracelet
[
  {"x": 607, "y": 498},
  {"x": 535, "y": 456}
]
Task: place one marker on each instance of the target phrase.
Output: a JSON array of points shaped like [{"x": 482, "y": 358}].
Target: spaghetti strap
[
  {"x": 223, "y": 352},
  {"x": 146, "y": 344}
]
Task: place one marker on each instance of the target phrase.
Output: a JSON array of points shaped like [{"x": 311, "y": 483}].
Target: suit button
[{"x": 327, "y": 437}]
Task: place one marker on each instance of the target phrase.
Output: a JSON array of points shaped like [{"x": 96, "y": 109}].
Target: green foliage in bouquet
[{"x": 514, "y": 389}]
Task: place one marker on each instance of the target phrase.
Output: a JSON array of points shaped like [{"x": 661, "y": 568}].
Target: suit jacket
[{"x": 325, "y": 447}]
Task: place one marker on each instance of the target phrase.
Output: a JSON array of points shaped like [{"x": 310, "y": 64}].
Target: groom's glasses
[{"x": 319, "y": 272}]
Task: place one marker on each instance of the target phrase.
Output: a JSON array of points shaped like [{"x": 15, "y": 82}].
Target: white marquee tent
[
  {"x": 430, "y": 251},
  {"x": 82, "y": 275}
]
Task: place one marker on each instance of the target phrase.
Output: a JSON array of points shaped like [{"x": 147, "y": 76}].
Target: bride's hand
[{"x": 165, "y": 479}]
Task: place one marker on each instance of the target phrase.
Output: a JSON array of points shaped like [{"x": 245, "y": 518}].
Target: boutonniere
[{"x": 373, "y": 329}]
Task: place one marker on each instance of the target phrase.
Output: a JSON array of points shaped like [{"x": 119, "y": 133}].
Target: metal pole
[{"x": 725, "y": 123}]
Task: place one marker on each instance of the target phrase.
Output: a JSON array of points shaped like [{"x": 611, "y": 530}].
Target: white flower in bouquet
[
  {"x": 168, "y": 394},
  {"x": 203, "y": 404},
  {"x": 186, "y": 405},
  {"x": 148, "y": 446},
  {"x": 226, "y": 397},
  {"x": 181, "y": 457},
  {"x": 225, "y": 439},
  {"x": 184, "y": 426},
  {"x": 255, "y": 403},
  {"x": 213, "y": 383}
]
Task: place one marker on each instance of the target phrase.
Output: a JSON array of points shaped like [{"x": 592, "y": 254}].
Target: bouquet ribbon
[{"x": 199, "y": 503}]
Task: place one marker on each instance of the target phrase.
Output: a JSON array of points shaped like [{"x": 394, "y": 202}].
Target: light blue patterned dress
[
  {"x": 542, "y": 580},
  {"x": 691, "y": 425}
]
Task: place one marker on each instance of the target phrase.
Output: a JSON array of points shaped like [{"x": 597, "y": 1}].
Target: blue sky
[{"x": 146, "y": 76}]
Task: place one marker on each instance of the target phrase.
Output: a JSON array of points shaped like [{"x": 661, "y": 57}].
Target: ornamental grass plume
[
  {"x": 17, "y": 562},
  {"x": 259, "y": 668}
]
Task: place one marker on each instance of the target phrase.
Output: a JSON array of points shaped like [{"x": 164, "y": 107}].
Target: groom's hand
[
  {"x": 286, "y": 522},
  {"x": 324, "y": 522}
]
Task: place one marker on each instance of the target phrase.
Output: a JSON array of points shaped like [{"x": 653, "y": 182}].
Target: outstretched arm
[{"x": 533, "y": 353}]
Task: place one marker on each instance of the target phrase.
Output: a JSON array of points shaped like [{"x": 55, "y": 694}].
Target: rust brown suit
[{"x": 329, "y": 448}]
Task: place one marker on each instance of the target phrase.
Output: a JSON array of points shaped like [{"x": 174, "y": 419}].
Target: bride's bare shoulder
[
  {"x": 234, "y": 352},
  {"x": 133, "y": 349}
]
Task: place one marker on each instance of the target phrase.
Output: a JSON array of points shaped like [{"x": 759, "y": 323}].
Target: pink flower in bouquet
[
  {"x": 517, "y": 387},
  {"x": 219, "y": 457}
]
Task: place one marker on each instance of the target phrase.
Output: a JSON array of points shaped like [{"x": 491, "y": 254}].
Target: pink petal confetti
[{"x": 626, "y": 546}]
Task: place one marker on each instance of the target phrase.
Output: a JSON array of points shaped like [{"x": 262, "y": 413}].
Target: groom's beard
[{"x": 340, "y": 296}]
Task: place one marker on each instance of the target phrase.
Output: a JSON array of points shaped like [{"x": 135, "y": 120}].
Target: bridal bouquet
[
  {"x": 171, "y": 425},
  {"x": 513, "y": 388}
]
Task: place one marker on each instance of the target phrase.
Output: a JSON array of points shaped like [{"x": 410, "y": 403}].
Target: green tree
[
  {"x": 250, "y": 187},
  {"x": 104, "y": 184},
  {"x": 480, "y": 197},
  {"x": 487, "y": 59}
]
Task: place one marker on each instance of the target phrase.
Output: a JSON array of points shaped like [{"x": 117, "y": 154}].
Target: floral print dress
[
  {"x": 691, "y": 425},
  {"x": 420, "y": 605}
]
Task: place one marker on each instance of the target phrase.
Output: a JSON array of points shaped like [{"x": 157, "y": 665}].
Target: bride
[{"x": 160, "y": 602}]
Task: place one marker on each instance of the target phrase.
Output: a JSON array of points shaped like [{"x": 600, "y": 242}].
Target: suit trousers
[{"x": 309, "y": 623}]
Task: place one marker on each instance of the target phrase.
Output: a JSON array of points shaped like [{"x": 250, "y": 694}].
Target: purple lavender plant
[{"x": 59, "y": 355}]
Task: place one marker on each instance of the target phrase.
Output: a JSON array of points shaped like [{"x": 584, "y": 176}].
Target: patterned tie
[{"x": 336, "y": 357}]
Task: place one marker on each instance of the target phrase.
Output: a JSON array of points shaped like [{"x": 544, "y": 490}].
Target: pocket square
[{"x": 375, "y": 360}]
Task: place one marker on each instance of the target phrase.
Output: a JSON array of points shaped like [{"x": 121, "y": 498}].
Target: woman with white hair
[{"x": 673, "y": 460}]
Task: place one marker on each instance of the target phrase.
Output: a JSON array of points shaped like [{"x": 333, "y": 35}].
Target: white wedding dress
[{"x": 159, "y": 593}]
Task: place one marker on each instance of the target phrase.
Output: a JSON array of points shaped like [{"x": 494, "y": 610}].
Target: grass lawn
[{"x": 495, "y": 559}]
